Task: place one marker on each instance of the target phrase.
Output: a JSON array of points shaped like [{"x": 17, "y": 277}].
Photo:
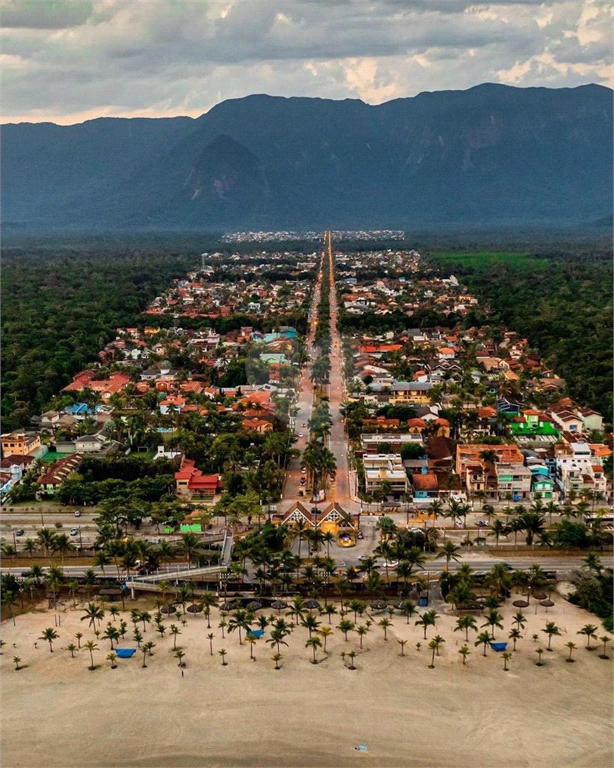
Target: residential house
[
  {"x": 385, "y": 468},
  {"x": 20, "y": 443},
  {"x": 57, "y": 473},
  {"x": 192, "y": 483}
]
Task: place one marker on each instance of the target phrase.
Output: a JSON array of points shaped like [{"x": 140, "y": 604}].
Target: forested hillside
[
  {"x": 562, "y": 302},
  {"x": 59, "y": 309}
]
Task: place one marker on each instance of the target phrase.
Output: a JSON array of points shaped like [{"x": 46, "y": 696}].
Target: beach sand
[{"x": 57, "y": 713}]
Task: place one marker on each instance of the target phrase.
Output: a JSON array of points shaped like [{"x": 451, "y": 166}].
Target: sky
[{"x": 72, "y": 60}]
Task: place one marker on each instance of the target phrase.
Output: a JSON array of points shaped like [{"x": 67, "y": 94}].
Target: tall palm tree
[
  {"x": 551, "y": 630},
  {"x": 94, "y": 613},
  {"x": 515, "y": 635},
  {"x": 449, "y": 550},
  {"x": 590, "y": 630},
  {"x": 605, "y": 640},
  {"x": 49, "y": 635},
  {"x": 466, "y": 623},
  {"x": 222, "y": 652},
  {"x": 385, "y": 624},
  {"x": 483, "y": 639},
  {"x": 146, "y": 648},
  {"x": 435, "y": 645},
  {"x": 506, "y": 657},
  {"x": 314, "y": 643},
  {"x": 345, "y": 626},
  {"x": 408, "y": 608},
  {"x": 426, "y": 620},
  {"x": 572, "y": 647},
  {"x": 493, "y": 619},
  {"x": 91, "y": 646}
]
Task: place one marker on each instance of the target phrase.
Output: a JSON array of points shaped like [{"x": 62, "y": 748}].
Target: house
[
  {"x": 513, "y": 478},
  {"x": 20, "y": 443},
  {"x": 191, "y": 482},
  {"x": 386, "y": 468},
  {"x": 542, "y": 485},
  {"x": 257, "y": 425},
  {"x": 172, "y": 403},
  {"x": 567, "y": 420},
  {"x": 416, "y": 392},
  {"x": 104, "y": 387},
  {"x": 479, "y": 475},
  {"x": 94, "y": 444},
  {"x": 57, "y": 473},
  {"x": 425, "y": 484},
  {"x": 592, "y": 420}
]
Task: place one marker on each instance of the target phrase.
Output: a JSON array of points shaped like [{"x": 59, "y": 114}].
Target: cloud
[{"x": 127, "y": 57}]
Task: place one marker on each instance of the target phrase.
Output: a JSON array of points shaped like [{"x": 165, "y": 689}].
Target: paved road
[
  {"x": 304, "y": 404},
  {"x": 340, "y": 489}
]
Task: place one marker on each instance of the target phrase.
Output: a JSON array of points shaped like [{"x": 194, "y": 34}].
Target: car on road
[
  {"x": 304, "y": 424},
  {"x": 482, "y": 523},
  {"x": 74, "y": 531},
  {"x": 77, "y": 513},
  {"x": 303, "y": 471},
  {"x": 19, "y": 532},
  {"x": 300, "y": 434}
]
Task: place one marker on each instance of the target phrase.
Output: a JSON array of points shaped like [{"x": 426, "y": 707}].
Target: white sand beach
[{"x": 58, "y": 714}]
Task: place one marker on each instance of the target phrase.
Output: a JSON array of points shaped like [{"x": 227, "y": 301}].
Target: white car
[
  {"x": 74, "y": 531},
  {"x": 77, "y": 513},
  {"x": 300, "y": 434}
]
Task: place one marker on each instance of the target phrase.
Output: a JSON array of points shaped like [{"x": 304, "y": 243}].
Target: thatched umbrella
[
  {"x": 168, "y": 609},
  {"x": 279, "y": 605},
  {"x": 311, "y": 605},
  {"x": 379, "y": 605},
  {"x": 540, "y": 595},
  {"x": 254, "y": 606},
  {"x": 228, "y": 606},
  {"x": 520, "y": 604},
  {"x": 547, "y": 604},
  {"x": 194, "y": 608}
]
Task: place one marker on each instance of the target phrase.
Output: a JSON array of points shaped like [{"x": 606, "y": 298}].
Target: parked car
[
  {"x": 74, "y": 531},
  {"x": 303, "y": 471},
  {"x": 77, "y": 513},
  {"x": 19, "y": 532},
  {"x": 300, "y": 434}
]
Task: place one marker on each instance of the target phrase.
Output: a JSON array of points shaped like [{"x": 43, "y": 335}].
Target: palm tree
[
  {"x": 325, "y": 633},
  {"x": 16, "y": 660},
  {"x": 94, "y": 613},
  {"x": 493, "y": 619},
  {"x": 223, "y": 653},
  {"x": 466, "y": 623},
  {"x": 408, "y": 608},
  {"x": 174, "y": 630},
  {"x": 402, "y": 644},
  {"x": 111, "y": 633},
  {"x": 515, "y": 635},
  {"x": 79, "y": 635},
  {"x": 352, "y": 655},
  {"x": 72, "y": 648},
  {"x": 180, "y": 654},
  {"x": 361, "y": 631},
  {"x": 506, "y": 656},
  {"x": 310, "y": 623},
  {"x": 240, "y": 621},
  {"x": 145, "y": 617},
  {"x": 448, "y": 550},
  {"x": 277, "y": 658},
  {"x": 539, "y": 663},
  {"x": 314, "y": 643},
  {"x": 112, "y": 657},
  {"x": 345, "y": 625},
  {"x": 590, "y": 630},
  {"x": 208, "y": 601},
  {"x": 572, "y": 647},
  {"x": 146, "y": 649},
  {"x": 222, "y": 625},
  {"x": 483, "y": 639},
  {"x": 49, "y": 635},
  {"x": 464, "y": 652},
  {"x": 434, "y": 645},
  {"x": 91, "y": 646},
  {"x": 190, "y": 546},
  {"x": 330, "y": 611},
  {"x": 252, "y": 640},
  {"x": 210, "y": 637},
  {"x": 426, "y": 620},
  {"x": 384, "y": 624},
  {"x": 519, "y": 619},
  {"x": 605, "y": 640},
  {"x": 551, "y": 630}
]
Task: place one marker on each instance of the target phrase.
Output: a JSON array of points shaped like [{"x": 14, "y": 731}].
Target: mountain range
[{"x": 490, "y": 154}]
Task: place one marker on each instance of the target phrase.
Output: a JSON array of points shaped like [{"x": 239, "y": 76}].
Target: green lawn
[{"x": 483, "y": 259}]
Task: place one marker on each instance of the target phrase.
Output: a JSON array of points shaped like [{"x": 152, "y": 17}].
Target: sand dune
[{"x": 57, "y": 713}]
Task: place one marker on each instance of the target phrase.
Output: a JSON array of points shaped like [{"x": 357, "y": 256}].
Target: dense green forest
[
  {"x": 60, "y": 306},
  {"x": 561, "y": 302}
]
